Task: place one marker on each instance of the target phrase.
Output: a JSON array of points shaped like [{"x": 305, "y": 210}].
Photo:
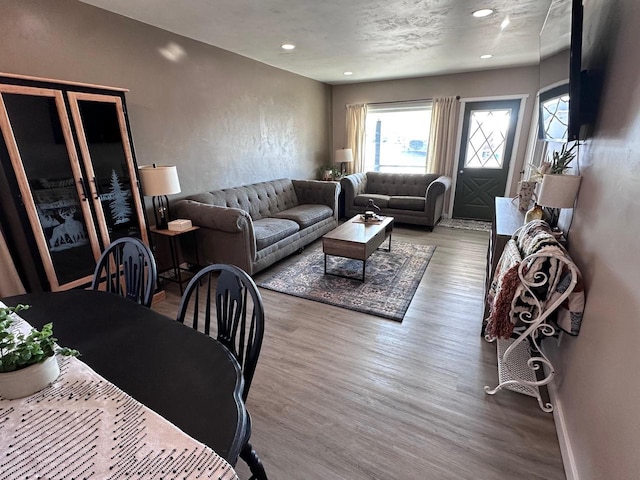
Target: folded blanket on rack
[
  {"x": 569, "y": 318},
  {"x": 536, "y": 236},
  {"x": 510, "y": 301},
  {"x": 502, "y": 291}
]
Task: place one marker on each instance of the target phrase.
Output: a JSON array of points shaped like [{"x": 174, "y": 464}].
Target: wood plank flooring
[{"x": 344, "y": 395}]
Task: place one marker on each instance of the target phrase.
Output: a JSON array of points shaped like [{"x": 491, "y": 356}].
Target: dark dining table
[{"x": 187, "y": 377}]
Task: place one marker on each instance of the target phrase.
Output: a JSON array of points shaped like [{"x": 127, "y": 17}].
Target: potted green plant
[
  {"x": 560, "y": 160},
  {"x": 558, "y": 165},
  {"x": 328, "y": 172},
  {"x": 337, "y": 173},
  {"x": 27, "y": 361}
]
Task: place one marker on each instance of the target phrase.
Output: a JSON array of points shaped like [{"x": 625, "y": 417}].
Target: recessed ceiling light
[
  {"x": 484, "y": 12},
  {"x": 486, "y": 56},
  {"x": 348, "y": 73},
  {"x": 288, "y": 46}
]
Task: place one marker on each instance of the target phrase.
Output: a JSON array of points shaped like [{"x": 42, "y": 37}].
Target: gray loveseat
[
  {"x": 408, "y": 197},
  {"x": 254, "y": 226}
]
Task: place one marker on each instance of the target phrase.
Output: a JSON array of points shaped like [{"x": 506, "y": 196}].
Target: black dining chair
[
  {"x": 127, "y": 268},
  {"x": 224, "y": 302}
]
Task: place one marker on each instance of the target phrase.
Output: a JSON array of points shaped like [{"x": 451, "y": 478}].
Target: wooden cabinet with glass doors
[{"x": 68, "y": 158}]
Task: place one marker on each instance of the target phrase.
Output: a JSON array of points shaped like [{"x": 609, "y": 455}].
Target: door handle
[
  {"x": 461, "y": 172},
  {"x": 84, "y": 189},
  {"x": 95, "y": 182}
]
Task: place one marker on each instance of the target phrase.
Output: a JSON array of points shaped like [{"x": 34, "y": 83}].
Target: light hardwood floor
[{"x": 344, "y": 395}]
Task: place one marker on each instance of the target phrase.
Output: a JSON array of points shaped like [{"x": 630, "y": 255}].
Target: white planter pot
[{"x": 27, "y": 381}]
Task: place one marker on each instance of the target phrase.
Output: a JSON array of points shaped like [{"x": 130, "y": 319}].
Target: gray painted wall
[
  {"x": 554, "y": 69},
  {"x": 490, "y": 83},
  {"x": 599, "y": 386},
  {"x": 223, "y": 119}
]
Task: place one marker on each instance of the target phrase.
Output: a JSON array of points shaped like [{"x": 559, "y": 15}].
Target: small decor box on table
[{"x": 180, "y": 225}]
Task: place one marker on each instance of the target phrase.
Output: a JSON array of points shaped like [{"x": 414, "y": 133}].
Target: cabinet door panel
[
  {"x": 106, "y": 153},
  {"x": 38, "y": 136}
]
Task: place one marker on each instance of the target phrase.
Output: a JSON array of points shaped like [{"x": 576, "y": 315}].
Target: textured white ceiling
[{"x": 375, "y": 39}]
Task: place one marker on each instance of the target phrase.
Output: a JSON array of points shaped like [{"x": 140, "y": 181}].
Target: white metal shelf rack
[{"x": 520, "y": 359}]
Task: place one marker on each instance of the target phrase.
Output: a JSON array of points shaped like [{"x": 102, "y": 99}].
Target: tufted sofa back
[
  {"x": 259, "y": 200},
  {"x": 411, "y": 184}
]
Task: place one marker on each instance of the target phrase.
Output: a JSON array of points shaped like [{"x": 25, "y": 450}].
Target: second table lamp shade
[
  {"x": 158, "y": 182},
  {"x": 559, "y": 191},
  {"x": 343, "y": 156}
]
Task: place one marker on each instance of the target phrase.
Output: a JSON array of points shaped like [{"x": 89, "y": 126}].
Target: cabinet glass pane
[
  {"x": 38, "y": 133},
  {"x": 113, "y": 183}
]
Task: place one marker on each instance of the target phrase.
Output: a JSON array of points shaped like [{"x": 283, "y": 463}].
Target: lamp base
[
  {"x": 161, "y": 211},
  {"x": 536, "y": 213},
  {"x": 162, "y": 223}
]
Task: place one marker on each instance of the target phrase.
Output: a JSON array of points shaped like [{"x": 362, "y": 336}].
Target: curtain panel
[
  {"x": 442, "y": 139},
  {"x": 356, "y": 124}
]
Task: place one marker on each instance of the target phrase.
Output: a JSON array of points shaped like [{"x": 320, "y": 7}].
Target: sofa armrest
[
  {"x": 318, "y": 193},
  {"x": 212, "y": 216},
  {"x": 434, "y": 198},
  {"x": 353, "y": 185},
  {"x": 438, "y": 187},
  {"x": 225, "y": 236}
]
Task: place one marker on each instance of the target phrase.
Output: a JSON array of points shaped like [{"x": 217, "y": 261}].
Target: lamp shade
[
  {"x": 559, "y": 191},
  {"x": 344, "y": 155},
  {"x": 159, "y": 180}
]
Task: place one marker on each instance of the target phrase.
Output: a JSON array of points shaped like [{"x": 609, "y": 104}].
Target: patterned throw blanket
[{"x": 510, "y": 301}]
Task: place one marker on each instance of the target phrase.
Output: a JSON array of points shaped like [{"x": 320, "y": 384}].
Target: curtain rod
[{"x": 400, "y": 101}]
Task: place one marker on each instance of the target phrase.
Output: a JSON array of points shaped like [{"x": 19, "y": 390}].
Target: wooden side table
[{"x": 173, "y": 236}]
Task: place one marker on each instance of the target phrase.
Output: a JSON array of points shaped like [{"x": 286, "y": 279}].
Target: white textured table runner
[{"x": 84, "y": 427}]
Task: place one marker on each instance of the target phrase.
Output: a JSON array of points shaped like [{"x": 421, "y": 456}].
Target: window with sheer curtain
[{"x": 397, "y": 137}]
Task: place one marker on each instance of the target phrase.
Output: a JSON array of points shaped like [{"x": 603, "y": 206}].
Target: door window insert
[{"x": 487, "y": 138}]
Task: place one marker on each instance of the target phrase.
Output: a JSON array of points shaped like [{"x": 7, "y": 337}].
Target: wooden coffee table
[{"x": 357, "y": 239}]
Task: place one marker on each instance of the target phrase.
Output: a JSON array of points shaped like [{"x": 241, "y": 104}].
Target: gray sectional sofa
[
  {"x": 254, "y": 226},
  {"x": 409, "y": 198}
]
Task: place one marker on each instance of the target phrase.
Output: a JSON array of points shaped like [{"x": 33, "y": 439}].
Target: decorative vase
[
  {"x": 29, "y": 380},
  {"x": 536, "y": 213},
  {"x": 525, "y": 194}
]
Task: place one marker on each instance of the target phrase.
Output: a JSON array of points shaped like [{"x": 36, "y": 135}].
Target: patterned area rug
[
  {"x": 391, "y": 279},
  {"x": 477, "y": 225}
]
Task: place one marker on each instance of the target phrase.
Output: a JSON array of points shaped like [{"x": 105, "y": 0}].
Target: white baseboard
[{"x": 568, "y": 460}]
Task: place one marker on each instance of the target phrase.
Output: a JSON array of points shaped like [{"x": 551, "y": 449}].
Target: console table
[{"x": 507, "y": 218}]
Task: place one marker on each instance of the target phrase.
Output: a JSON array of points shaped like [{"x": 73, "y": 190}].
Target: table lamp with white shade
[
  {"x": 158, "y": 182},
  {"x": 557, "y": 192},
  {"x": 343, "y": 156}
]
